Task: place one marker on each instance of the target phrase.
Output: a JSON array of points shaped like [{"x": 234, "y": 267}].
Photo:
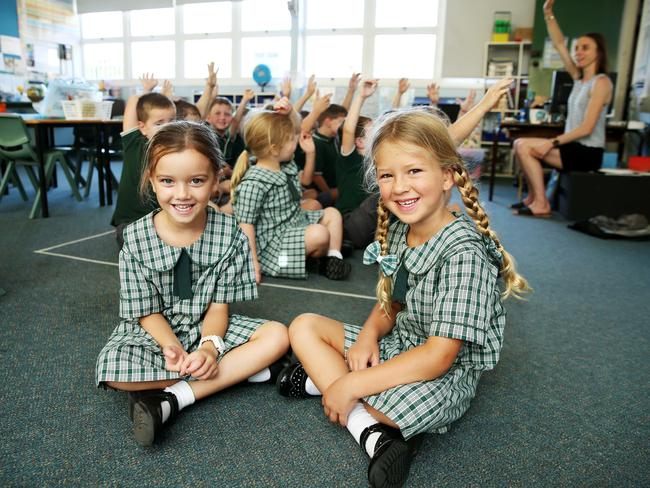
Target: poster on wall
[{"x": 48, "y": 20}]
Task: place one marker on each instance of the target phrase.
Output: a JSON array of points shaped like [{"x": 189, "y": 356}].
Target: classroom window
[
  {"x": 265, "y": 15},
  {"x": 200, "y": 18},
  {"x": 333, "y": 56},
  {"x": 416, "y": 54},
  {"x": 406, "y": 13},
  {"x": 334, "y": 14},
  {"x": 199, "y": 52},
  {"x": 275, "y": 52},
  {"x": 104, "y": 61},
  {"x": 101, "y": 25},
  {"x": 152, "y": 22},
  {"x": 153, "y": 57}
]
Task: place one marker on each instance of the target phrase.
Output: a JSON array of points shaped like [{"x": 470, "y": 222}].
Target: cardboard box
[{"x": 523, "y": 34}]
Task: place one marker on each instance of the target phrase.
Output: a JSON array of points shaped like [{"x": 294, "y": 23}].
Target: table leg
[
  {"x": 107, "y": 167},
  {"x": 100, "y": 164},
  {"x": 40, "y": 134},
  {"x": 493, "y": 165}
]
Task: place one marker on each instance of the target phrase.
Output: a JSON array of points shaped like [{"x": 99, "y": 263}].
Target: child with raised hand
[
  {"x": 329, "y": 118},
  {"x": 266, "y": 200},
  {"x": 402, "y": 86},
  {"x": 438, "y": 323},
  {"x": 180, "y": 267},
  {"x": 349, "y": 165},
  {"x": 353, "y": 84},
  {"x": 210, "y": 90},
  {"x": 144, "y": 114}
]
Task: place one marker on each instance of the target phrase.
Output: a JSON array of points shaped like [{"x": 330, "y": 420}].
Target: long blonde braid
[
  {"x": 515, "y": 284},
  {"x": 384, "y": 289}
]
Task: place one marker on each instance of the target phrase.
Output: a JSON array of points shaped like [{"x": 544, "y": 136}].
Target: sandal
[
  {"x": 517, "y": 205},
  {"x": 527, "y": 212},
  {"x": 291, "y": 381}
]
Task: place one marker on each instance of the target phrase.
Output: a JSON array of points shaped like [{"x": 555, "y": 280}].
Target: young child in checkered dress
[
  {"x": 180, "y": 267},
  {"x": 438, "y": 325},
  {"x": 266, "y": 201}
]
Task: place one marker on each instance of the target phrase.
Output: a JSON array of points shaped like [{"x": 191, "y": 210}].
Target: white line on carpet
[{"x": 46, "y": 252}]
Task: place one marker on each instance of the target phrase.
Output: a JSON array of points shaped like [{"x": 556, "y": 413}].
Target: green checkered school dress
[
  {"x": 452, "y": 292},
  {"x": 222, "y": 272},
  {"x": 270, "y": 200}
]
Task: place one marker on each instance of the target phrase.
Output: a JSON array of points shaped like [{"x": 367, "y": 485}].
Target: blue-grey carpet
[{"x": 568, "y": 404}]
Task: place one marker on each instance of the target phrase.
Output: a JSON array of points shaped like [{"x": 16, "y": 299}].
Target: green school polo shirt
[
  {"x": 327, "y": 152},
  {"x": 130, "y": 206},
  {"x": 349, "y": 180},
  {"x": 231, "y": 147}
]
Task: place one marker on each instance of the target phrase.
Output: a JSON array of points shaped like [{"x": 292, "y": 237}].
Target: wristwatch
[
  {"x": 556, "y": 142},
  {"x": 216, "y": 340}
]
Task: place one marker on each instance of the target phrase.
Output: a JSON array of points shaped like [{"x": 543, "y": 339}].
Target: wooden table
[
  {"x": 614, "y": 132},
  {"x": 44, "y": 140}
]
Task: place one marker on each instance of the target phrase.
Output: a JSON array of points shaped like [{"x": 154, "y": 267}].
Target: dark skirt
[{"x": 578, "y": 157}]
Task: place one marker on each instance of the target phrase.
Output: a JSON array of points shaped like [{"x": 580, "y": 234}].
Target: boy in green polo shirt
[
  {"x": 143, "y": 116},
  {"x": 330, "y": 117}
]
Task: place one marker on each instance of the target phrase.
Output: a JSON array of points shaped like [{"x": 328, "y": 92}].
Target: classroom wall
[
  {"x": 8, "y": 19},
  {"x": 468, "y": 26}
]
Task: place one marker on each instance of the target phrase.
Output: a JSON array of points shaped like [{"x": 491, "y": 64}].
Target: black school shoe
[
  {"x": 291, "y": 381},
  {"x": 147, "y": 416},
  {"x": 134, "y": 396},
  {"x": 390, "y": 464},
  {"x": 334, "y": 268},
  {"x": 277, "y": 367},
  {"x": 347, "y": 248}
]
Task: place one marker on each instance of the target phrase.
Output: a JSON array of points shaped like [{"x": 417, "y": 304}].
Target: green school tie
[
  {"x": 183, "y": 277},
  {"x": 400, "y": 285},
  {"x": 295, "y": 194}
]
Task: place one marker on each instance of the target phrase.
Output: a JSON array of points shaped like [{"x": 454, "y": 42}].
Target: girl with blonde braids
[
  {"x": 266, "y": 201},
  {"x": 438, "y": 324}
]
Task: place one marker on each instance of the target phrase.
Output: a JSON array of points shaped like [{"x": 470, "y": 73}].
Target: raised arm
[
  {"x": 210, "y": 91},
  {"x": 368, "y": 87},
  {"x": 320, "y": 105},
  {"x": 467, "y": 104},
  {"x": 352, "y": 87},
  {"x": 433, "y": 92},
  {"x": 555, "y": 33},
  {"x": 241, "y": 108},
  {"x": 463, "y": 127},
  {"x": 309, "y": 91},
  {"x": 130, "y": 120},
  {"x": 402, "y": 86},
  {"x": 308, "y": 147}
]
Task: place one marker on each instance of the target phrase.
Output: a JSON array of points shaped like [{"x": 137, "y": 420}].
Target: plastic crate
[{"x": 86, "y": 109}]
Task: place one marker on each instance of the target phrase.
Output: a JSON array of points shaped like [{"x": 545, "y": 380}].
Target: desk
[
  {"x": 613, "y": 133},
  {"x": 45, "y": 139}
]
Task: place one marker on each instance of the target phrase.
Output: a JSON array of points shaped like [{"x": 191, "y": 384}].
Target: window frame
[{"x": 298, "y": 35}]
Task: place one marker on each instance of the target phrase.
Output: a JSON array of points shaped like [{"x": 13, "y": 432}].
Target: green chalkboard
[{"x": 576, "y": 17}]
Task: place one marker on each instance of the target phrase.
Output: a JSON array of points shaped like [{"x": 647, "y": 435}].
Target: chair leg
[
  {"x": 49, "y": 173},
  {"x": 19, "y": 184},
  {"x": 67, "y": 171},
  {"x": 5, "y": 177},
  {"x": 32, "y": 177},
  {"x": 89, "y": 175}
]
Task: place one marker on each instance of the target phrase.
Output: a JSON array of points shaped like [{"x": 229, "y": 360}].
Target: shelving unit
[{"x": 502, "y": 59}]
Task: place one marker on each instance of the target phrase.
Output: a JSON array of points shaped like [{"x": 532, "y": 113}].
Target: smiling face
[
  {"x": 220, "y": 117},
  {"x": 586, "y": 53},
  {"x": 413, "y": 187},
  {"x": 183, "y": 183},
  {"x": 156, "y": 118}
]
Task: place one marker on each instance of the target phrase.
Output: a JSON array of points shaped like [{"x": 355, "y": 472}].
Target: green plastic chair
[{"x": 16, "y": 148}]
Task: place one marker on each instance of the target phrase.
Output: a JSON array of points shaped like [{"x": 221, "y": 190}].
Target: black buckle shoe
[
  {"x": 134, "y": 396},
  {"x": 291, "y": 381},
  {"x": 391, "y": 461},
  {"x": 147, "y": 416},
  {"x": 334, "y": 268},
  {"x": 277, "y": 367}
]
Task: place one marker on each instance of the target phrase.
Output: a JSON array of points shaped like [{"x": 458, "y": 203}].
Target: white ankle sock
[
  {"x": 334, "y": 253},
  {"x": 184, "y": 397},
  {"x": 358, "y": 420},
  {"x": 260, "y": 376},
  {"x": 310, "y": 387}
]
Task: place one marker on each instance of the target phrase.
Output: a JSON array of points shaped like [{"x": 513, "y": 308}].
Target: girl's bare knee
[
  {"x": 333, "y": 215},
  {"x": 276, "y": 333},
  {"x": 301, "y": 325},
  {"x": 317, "y": 237}
]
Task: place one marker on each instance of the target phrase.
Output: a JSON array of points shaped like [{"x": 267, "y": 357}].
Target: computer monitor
[{"x": 561, "y": 87}]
